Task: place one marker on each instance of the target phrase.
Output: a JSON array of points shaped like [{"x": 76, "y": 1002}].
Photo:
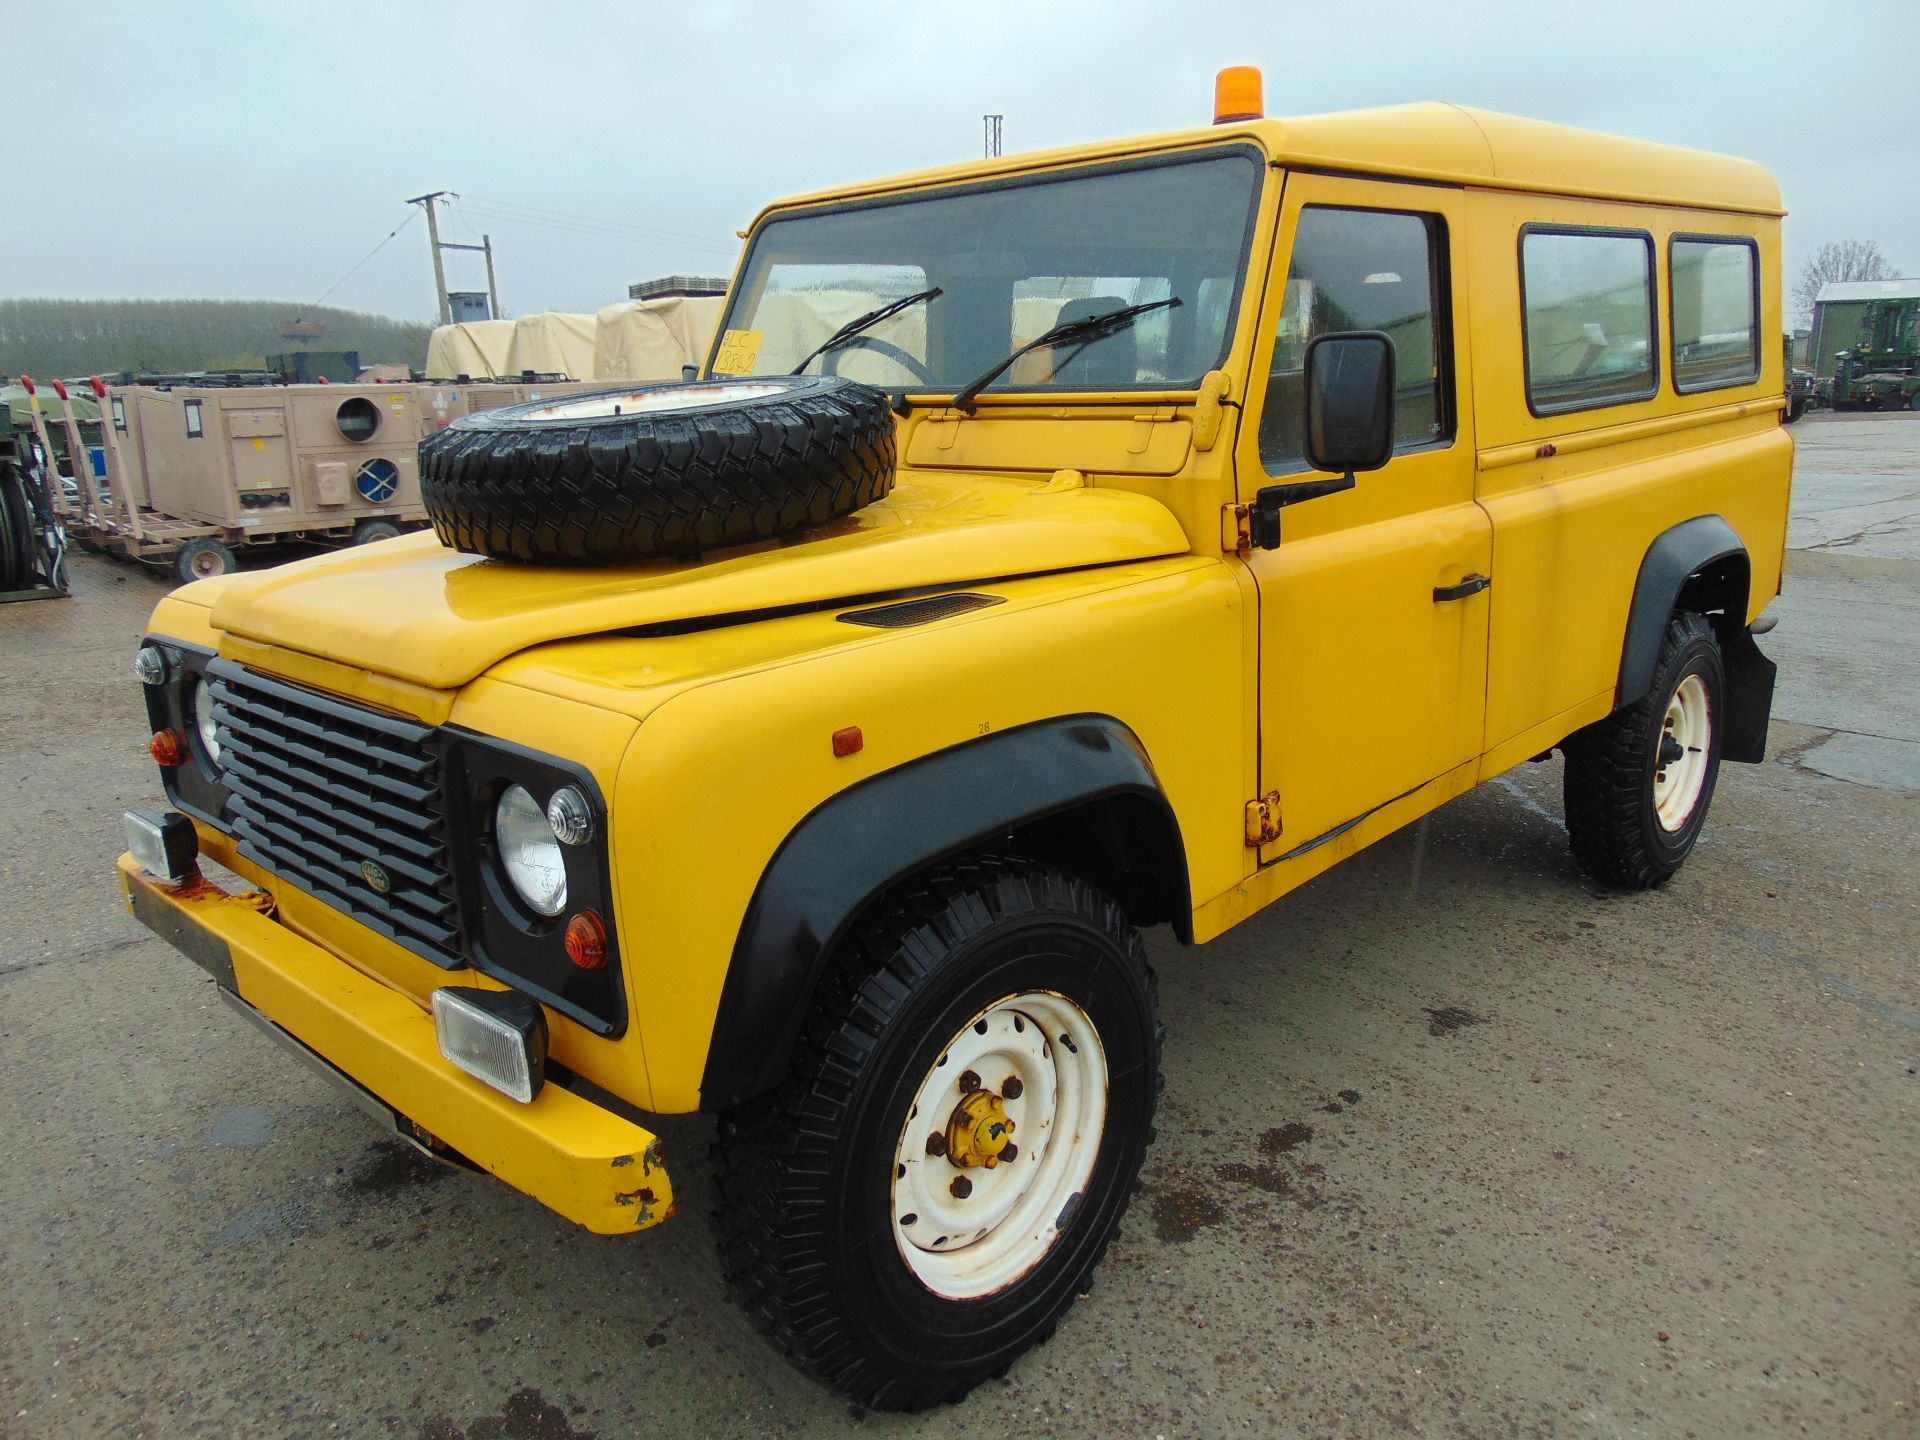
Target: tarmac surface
[{"x": 1454, "y": 1142}]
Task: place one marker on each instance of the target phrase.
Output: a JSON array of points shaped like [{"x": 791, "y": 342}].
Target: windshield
[{"x": 1011, "y": 260}]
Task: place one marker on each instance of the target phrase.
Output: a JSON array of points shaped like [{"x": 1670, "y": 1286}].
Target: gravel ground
[{"x": 1454, "y": 1143}]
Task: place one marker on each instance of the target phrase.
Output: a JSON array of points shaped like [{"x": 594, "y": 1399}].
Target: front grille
[{"x": 333, "y": 798}]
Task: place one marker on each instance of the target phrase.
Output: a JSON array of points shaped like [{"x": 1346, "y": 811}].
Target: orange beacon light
[{"x": 1236, "y": 95}]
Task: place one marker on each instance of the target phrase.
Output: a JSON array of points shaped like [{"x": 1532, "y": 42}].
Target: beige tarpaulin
[
  {"x": 552, "y": 343},
  {"x": 476, "y": 349},
  {"x": 652, "y": 339}
]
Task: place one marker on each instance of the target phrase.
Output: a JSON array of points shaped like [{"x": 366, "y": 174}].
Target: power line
[
  {"x": 586, "y": 224},
  {"x": 356, "y": 269}
]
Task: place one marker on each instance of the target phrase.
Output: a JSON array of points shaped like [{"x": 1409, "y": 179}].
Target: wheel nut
[
  {"x": 969, "y": 1082},
  {"x": 961, "y": 1187},
  {"x": 1011, "y": 1153},
  {"x": 1011, "y": 1088},
  {"x": 936, "y": 1144}
]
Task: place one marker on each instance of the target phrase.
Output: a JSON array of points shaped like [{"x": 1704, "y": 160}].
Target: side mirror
[
  {"x": 1349, "y": 383},
  {"x": 1349, "y": 401}
]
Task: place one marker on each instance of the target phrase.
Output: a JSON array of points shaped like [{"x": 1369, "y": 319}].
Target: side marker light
[{"x": 848, "y": 741}]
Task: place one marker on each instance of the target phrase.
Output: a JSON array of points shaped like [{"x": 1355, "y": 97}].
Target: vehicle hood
[{"x": 415, "y": 610}]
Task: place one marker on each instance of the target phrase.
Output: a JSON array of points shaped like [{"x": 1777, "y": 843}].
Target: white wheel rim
[
  {"x": 653, "y": 402},
  {"x": 1007, "y": 1216},
  {"x": 1678, "y": 782}
]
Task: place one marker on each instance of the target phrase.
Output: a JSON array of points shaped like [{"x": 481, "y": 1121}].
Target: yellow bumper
[{"x": 576, "y": 1158}]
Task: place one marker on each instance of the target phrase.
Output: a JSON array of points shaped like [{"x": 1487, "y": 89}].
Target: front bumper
[{"x": 577, "y": 1158}]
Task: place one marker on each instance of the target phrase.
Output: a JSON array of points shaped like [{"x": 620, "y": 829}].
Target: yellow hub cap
[{"x": 979, "y": 1131}]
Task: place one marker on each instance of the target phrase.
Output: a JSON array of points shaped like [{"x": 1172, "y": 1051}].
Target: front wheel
[
  {"x": 1638, "y": 783},
  {"x": 968, "y": 1110}
]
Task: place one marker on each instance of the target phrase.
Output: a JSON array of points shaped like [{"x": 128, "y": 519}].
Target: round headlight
[
  {"x": 203, "y": 717},
  {"x": 529, "y": 851}
]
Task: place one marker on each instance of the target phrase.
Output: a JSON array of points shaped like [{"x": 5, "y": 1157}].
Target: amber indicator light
[
  {"x": 1236, "y": 95},
  {"x": 165, "y": 748},
  {"x": 848, "y": 741},
  {"x": 587, "y": 941}
]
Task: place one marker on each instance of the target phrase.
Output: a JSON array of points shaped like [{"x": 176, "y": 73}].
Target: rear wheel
[
  {"x": 1913, "y": 401},
  {"x": 1638, "y": 784},
  {"x": 368, "y": 531},
  {"x": 962, "y": 1130},
  {"x": 199, "y": 559}
]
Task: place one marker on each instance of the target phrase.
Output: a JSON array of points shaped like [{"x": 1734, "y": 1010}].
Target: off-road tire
[
  {"x": 804, "y": 1174},
  {"x": 517, "y": 483},
  {"x": 202, "y": 558},
  {"x": 17, "y": 538},
  {"x": 366, "y": 532},
  {"x": 1613, "y": 823}
]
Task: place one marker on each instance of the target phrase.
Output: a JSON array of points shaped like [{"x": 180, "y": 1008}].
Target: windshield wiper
[
  {"x": 861, "y": 323},
  {"x": 1086, "y": 331}
]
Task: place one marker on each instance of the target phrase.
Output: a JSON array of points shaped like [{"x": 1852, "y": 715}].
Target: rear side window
[
  {"x": 1588, "y": 301},
  {"x": 1716, "y": 313}
]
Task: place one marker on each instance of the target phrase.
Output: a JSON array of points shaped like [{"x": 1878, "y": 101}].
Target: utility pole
[
  {"x": 440, "y": 269},
  {"x": 433, "y": 240},
  {"x": 493, "y": 290},
  {"x": 993, "y": 138}
]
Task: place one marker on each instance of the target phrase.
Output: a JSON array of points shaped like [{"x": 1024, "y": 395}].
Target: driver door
[{"x": 1373, "y": 635}]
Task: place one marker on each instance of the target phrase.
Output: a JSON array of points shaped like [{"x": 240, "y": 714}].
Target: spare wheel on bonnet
[{"x": 657, "y": 471}]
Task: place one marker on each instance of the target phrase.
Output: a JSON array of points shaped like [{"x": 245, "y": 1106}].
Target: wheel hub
[
  {"x": 979, "y": 1131},
  {"x": 973, "y": 1211}
]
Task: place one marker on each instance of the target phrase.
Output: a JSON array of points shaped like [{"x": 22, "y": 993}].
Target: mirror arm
[{"x": 1264, "y": 517}]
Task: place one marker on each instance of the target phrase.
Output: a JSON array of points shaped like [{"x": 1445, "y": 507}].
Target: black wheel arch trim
[
  {"x": 1701, "y": 564},
  {"x": 855, "y": 846}
]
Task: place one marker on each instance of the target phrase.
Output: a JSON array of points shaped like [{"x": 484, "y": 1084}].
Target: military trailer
[{"x": 210, "y": 472}]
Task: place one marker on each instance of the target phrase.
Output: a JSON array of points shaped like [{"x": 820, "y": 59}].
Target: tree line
[{"x": 84, "y": 337}]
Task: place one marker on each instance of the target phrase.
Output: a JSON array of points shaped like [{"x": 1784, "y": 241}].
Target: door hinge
[
  {"x": 1263, "y": 819},
  {"x": 1236, "y": 529}
]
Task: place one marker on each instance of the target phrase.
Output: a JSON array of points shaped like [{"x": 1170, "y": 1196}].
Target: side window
[
  {"x": 1716, "y": 313},
  {"x": 195, "y": 427},
  {"x": 1363, "y": 270},
  {"x": 1588, "y": 298}
]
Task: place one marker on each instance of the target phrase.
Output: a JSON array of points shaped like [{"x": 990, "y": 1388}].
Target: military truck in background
[{"x": 1881, "y": 369}]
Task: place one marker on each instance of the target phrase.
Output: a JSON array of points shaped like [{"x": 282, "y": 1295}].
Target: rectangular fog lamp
[
  {"x": 163, "y": 843},
  {"x": 495, "y": 1036}
]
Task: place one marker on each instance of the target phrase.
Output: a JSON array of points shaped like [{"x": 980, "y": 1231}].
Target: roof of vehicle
[
  {"x": 1430, "y": 140},
  {"x": 1844, "y": 290}
]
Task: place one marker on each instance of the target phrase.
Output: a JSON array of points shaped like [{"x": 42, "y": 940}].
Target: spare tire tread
[{"x": 656, "y": 485}]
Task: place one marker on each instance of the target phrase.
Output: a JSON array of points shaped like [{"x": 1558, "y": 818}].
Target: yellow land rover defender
[{"x": 1051, "y": 547}]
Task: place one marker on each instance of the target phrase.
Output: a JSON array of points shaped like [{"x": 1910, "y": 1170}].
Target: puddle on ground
[
  {"x": 1449, "y": 1019},
  {"x": 1283, "y": 1138},
  {"x": 392, "y": 1166},
  {"x": 240, "y": 1127},
  {"x": 1179, "y": 1215}
]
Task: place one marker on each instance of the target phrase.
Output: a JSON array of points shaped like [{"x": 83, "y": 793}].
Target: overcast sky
[{"x": 256, "y": 151}]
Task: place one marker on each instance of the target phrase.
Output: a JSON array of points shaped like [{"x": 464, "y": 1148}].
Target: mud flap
[{"x": 1750, "y": 677}]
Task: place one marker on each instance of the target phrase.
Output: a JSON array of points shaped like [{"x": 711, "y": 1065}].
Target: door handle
[{"x": 1471, "y": 585}]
